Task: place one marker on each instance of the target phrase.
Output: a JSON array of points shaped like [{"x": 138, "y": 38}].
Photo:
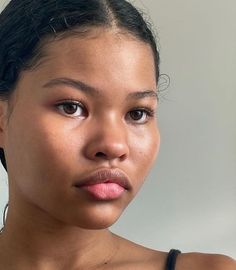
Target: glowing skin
[{"x": 48, "y": 150}]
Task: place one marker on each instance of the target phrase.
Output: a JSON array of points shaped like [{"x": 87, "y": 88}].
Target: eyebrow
[{"x": 93, "y": 91}]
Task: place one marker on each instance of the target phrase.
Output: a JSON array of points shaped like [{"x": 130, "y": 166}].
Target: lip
[{"x": 115, "y": 176}]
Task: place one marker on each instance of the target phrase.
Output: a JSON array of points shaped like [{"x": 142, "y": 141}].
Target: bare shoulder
[
  {"x": 203, "y": 261},
  {"x": 135, "y": 256}
]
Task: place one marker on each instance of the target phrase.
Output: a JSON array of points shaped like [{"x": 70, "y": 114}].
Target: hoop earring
[{"x": 4, "y": 217}]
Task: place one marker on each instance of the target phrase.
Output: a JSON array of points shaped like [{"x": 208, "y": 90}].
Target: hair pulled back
[{"x": 25, "y": 26}]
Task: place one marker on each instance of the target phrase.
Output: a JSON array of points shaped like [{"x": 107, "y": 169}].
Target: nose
[{"x": 107, "y": 141}]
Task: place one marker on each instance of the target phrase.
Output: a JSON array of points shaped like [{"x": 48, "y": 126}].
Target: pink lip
[
  {"x": 105, "y": 184},
  {"x": 105, "y": 191}
]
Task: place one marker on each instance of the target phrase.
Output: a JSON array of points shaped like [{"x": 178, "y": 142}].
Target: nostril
[{"x": 100, "y": 154}]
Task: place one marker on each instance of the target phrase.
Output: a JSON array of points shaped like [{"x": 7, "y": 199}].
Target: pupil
[
  {"x": 70, "y": 108},
  {"x": 136, "y": 115}
]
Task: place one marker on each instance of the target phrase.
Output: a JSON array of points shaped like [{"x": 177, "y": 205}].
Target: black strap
[{"x": 171, "y": 259}]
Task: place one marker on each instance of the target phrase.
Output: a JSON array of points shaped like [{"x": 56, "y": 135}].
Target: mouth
[{"x": 106, "y": 184}]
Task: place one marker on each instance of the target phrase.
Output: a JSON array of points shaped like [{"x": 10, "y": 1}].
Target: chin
[
  {"x": 101, "y": 216},
  {"x": 96, "y": 224}
]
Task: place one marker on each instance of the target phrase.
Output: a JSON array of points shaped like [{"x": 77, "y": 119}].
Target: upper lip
[{"x": 103, "y": 176}]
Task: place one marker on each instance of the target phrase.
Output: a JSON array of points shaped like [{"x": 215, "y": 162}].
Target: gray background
[{"x": 189, "y": 199}]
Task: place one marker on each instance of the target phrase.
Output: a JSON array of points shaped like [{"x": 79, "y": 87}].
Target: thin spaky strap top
[{"x": 171, "y": 259}]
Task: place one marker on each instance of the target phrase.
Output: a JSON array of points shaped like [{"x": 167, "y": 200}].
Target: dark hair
[{"x": 25, "y": 26}]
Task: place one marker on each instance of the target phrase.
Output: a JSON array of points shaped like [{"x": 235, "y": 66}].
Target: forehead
[
  {"x": 116, "y": 64},
  {"x": 103, "y": 53}
]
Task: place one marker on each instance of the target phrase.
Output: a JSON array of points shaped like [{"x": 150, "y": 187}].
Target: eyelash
[{"x": 149, "y": 111}]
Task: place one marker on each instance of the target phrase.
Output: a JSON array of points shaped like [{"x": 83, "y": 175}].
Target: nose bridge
[
  {"x": 112, "y": 130},
  {"x": 109, "y": 138}
]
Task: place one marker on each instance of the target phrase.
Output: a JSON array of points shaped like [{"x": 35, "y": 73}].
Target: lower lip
[{"x": 104, "y": 191}]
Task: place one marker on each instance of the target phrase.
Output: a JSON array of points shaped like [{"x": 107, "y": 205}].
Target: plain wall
[{"x": 189, "y": 199}]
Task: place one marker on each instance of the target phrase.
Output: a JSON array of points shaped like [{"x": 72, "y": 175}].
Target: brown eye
[
  {"x": 141, "y": 115},
  {"x": 71, "y": 108},
  {"x": 137, "y": 114}
]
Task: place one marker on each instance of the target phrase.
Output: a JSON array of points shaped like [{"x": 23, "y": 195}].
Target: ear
[{"x": 3, "y": 121}]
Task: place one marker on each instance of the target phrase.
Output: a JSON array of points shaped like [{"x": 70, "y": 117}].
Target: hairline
[{"x": 83, "y": 32}]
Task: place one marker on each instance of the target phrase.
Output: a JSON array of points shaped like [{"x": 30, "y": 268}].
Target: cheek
[
  {"x": 144, "y": 150},
  {"x": 36, "y": 149},
  {"x": 54, "y": 153},
  {"x": 43, "y": 161}
]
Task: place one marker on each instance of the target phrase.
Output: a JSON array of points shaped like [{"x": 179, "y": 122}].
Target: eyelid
[
  {"x": 73, "y": 102},
  {"x": 70, "y": 100},
  {"x": 150, "y": 110},
  {"x": 151, "y": 113}
]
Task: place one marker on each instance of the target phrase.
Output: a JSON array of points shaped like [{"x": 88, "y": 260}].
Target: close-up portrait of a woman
[{"x": 80, "y": 87}]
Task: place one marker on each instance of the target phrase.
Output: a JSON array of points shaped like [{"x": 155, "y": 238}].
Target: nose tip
[
  {"x": 109, "y": 152},
  {"x": 107, "y": 139},
  {"x": 109, "y": 146}
]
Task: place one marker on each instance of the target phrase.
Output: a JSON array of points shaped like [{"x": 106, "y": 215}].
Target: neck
[{"x": 46, "y": 244}]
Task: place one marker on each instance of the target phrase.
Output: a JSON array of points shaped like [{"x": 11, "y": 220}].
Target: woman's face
[{"x": 110, "y": 80}]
